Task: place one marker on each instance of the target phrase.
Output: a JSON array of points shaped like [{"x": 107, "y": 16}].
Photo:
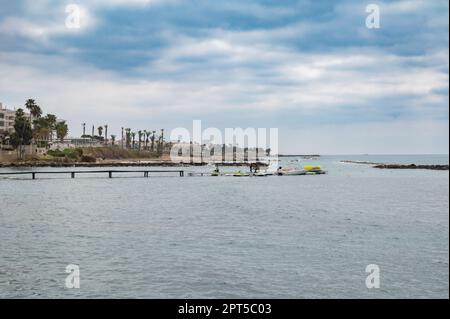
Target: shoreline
[
  {"x": 434, "y": 167},
  {"x": 106, "y": 163}
]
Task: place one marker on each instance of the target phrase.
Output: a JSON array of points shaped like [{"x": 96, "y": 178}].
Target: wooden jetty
[{"x": 109, "y": 173}]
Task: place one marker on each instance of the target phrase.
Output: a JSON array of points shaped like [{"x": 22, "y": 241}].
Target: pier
[{"x": 108, "y": 173}]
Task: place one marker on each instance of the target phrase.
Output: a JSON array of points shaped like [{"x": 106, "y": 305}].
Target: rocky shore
[
  {"x": 401, "y": 166},
  {"x": 360, "y": 162},
  {"x": 412, "y": 166},
  {"x": 82, "y": 164},
  {"x": 152, "y": 163}
]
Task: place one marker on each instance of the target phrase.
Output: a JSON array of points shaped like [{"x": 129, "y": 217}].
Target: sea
[{"x": 355, "y": 232}]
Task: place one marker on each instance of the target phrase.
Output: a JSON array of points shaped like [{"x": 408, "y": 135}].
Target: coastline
[
  {"x": 435, "y": 167},
  {"x": 102, "y": 164},
  {"x": 114, "y": 163}
]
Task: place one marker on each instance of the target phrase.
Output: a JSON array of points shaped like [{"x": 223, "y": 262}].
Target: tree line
[
  {"x": 35, "y": 129},
  {"x": 140, "y": 140}
]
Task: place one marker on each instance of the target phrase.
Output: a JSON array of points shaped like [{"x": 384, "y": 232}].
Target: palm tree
[
  {"x": 133, "y": 135},
  {"x": 145, "y": 139},
  {"x": 128, "y": 137},
  {"x": 51, "y": 121},
  {"x": 121, "y": 141},
  {"x": 100, "y": 131},
  {"x": 106, "y": 134},
  {"x": 42, "y": 134},
  {"x": 29, "y": 104},
  {"x": 41, "y": 130},
  {"x": 23, "y": 133},
  {"x": 161, "y": 142},
  {"x": 61, "y": 130},
  {"x": 140, "y": 137},
  {"x": 35, "y": 112},
  {"x": 153, "y": 140},
  {"x": 113, "y": 139},
  {"x": 33, "y": 108}
]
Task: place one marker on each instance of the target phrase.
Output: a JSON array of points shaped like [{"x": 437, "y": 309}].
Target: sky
[{"x": 310, "y": 68}]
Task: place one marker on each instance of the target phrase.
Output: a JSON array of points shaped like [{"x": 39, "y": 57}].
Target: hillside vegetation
[{"x": 91, "y": 154}]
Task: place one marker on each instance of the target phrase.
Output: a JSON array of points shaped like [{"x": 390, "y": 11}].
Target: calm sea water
[{"x": 227, "y": 237}]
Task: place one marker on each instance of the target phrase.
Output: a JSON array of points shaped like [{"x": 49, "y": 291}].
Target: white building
[
  {"x": 7, "y": 117},
  {"x": 6, "y": 120}
]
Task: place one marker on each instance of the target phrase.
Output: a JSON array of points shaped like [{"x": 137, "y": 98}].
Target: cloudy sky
[{"x": 310, "y": 68}]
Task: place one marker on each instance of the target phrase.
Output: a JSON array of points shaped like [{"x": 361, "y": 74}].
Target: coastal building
[
  {"x": 6, "y": 120},
  {"x": 7, "y": 117}
]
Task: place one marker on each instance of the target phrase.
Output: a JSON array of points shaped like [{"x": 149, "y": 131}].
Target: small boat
[{"x": 291, "y": 171}]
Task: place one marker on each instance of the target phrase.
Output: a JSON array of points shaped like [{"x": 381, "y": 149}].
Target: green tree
[
  {"x": 161, "y": 142},
  {"x": 133, "y": 136},
  {"x": 61, "y": 130},
  {"x": 22, "y": 133},
  {"x": 146, "y": 134},
  {"x": 140, "y": 138},
  {"x": 106, "y": 134},
  {"x": 35, "y": 112},
  {"x": 153, "y": 140},
  {"x": 33, "y": 108},
  {"x": 128, "y": 137},
  {"x": 41, "y": 129},
  {"x": 51, "y": 124}
]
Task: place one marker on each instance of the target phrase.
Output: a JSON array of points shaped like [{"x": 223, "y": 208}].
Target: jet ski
[
  {"x": 238, "y": 174},
  {"x": 313, "y": 170},
  {"x": 262, "y": 173}
]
